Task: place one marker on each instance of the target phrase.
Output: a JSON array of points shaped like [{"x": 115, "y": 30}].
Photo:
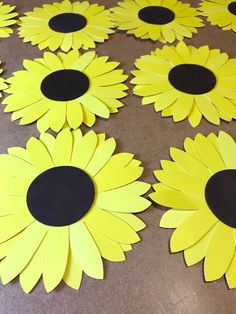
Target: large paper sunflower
[
  {"x": 6, "y": 19},
  {"x": 188, "y": 82},
  {"x": 66, "y": 25},
  {"x": 200, "y": 187},
  {"x": 165, "y": 20},
  {"x": 220, "y": 12},
  {"x": 65, "y": 203},
  {"x": 65, "y": 89}
]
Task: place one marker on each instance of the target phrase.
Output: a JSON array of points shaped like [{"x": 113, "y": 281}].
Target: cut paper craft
[
  {"x": 7, "y": 19},
  {"x": 199, "y": 186},
  {"x": 65, "y": 90},
  {"x": 65, "y": 203},
  {"x": 220, "y": 12},
  {"x": 188, "y": 82},
  {"x": 165, "y": 20},
  {"x": 3, "y": 84},
  {"x": 66, "y": 25}
]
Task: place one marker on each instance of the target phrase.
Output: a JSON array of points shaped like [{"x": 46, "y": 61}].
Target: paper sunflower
[
  {"x": 6, "y": 19},
  {"x": 65, "y": 89},
  {"x": 165, "y": 20},
  {"x": 66, "y": 25},
  {"x": 199, "y": 186},
  {"x": 220, "y": 12},
  {"x": 188, "y": 82},
  {"x": 65, "y": 203}
]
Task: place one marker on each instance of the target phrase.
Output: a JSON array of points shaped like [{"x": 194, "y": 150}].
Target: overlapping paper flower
[
  {"x": 66, "y": 25},
  {"x": 65, "y": 203},
  {"x": 165, "y": 20},
  {"x": 7, "y": 19},
  {"x": 188, "y": 82},
  {"x": 199, "y": 187},
  {"x": 65, "y": 89},
  {"x": 220, "y": 12}
]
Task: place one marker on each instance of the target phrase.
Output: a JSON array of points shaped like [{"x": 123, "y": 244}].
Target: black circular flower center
[
  {"x": 65, "y": 85},
  {"x": 156, "y": 15},
  {"x": 220, "y": 194},
  {"x": 60, "y": 196},
  {"x": 232, "y": 7},
  {"x": 192, "y": 79},
  {"x": 67, "y": 22}
]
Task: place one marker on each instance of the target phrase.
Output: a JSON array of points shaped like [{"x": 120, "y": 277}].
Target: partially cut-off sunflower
[
  {"x": 65, "y": 203},
  {"x": 65, "y": 89},
  {"x": 3, "y": 84},
  {"x": 199, "y": 186},
  {"x": 220, "y": 12},
  {"x": 163, "y": 20},
  {"x": 66, "y": 25},
  {"x": 188, "y": 82},
  {"x": 7, "y": 19}
]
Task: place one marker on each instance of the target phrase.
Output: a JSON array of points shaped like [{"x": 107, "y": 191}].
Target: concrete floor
[{"x": 151, "y": 281}]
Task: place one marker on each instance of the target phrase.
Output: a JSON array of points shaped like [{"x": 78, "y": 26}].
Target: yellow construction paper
[
  {"x": 219, "y": 253},
  {"x": 200, "y": 232},
  {"x": 107, "y": 230},
  {"x": 35, "y": 28},
  {"x": 7, "y": 19},
  {"x": 184, "y": 23},
  {"x": 153, "y": 84},
  {"x": 28, "y": 103},
  {"x": 73, "y": 272},
  {"x": 56, "y": 246},
  {"x": 218, "y": 13}
]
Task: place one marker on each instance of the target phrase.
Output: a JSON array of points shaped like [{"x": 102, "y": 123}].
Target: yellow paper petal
[
  {"x": 219, "y": 253},
  {"x": 55, "y": 256},
  {"x": 227, "y": 149},
  {"x": 173, "y": 218},
  {"x": 111, "y": 227},
  {"x": 73, "y": 272},
  {"x": 109, "y": 249},
  {"x": 83, "y": 150},
  {"x": 121, "y": 202},
  {"x": 191, "y": 230},
  {"x": 39, "y": 155},
  {"x": 33, "y": 271},
  {"x": 101, "y": 156},
  {"x": 86, "y": 251},
  {"x": 197, "y": 251},
  {"x": 62, "y": 148},
  {"x": 209, "y": 154},
  {"x": 22, "y": 251}
]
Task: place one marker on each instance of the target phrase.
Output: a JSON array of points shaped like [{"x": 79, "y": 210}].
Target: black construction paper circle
[
  {"x": 220, "y": 194},
  {"x": 156, "y": 15},
  {"x": 60, "y": 196},
  {"x": 232, "y": 7},
  {"x": 192, "y": 79},
  {"x": 65, "y": 85},
  {"x": 67, "y": 22}
]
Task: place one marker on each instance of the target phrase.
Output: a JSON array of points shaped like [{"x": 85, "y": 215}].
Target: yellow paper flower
[
  {"x": 65, "y": 203},
  {"x": 220, "y": 12},
  {"x": 165, "y": 20},
  {"x": 65, "y": 89},
  {"x": 199, "y": 186},
  {"x": 188, "y": 82},
  {"x": 6, "y": 19},
  {"x": 66, "y": 25}
]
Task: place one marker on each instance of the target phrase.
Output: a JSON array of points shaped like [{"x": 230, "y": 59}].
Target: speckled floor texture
[{"x": 152, "y": 280}]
